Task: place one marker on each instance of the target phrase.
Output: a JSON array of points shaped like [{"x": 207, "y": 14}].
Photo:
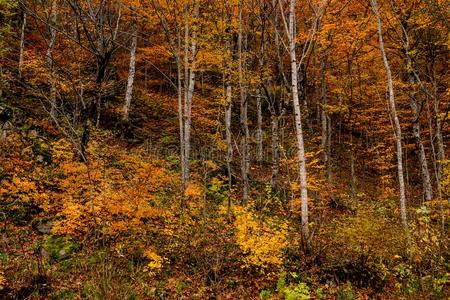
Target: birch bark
[
  {"x": 298, "y": 126},
  {"x": 131, "y": 74},
  {"x": 393, "y": 111}
]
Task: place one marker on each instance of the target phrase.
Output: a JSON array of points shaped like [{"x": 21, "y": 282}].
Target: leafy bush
[
  {"x": 293, "y": 291},
  {"x": 262, "y": 239}
]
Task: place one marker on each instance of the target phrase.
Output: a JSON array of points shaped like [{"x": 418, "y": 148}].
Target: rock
[
  {"x": 59, "y": 247},
  {"x": 43, "y": 225}
]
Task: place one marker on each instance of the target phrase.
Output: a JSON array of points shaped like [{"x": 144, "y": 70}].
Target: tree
[
  {"x": 228, "y": 96},
  {"x": 245, "y": 133},
  {"x": 291, "y": 34},
  {"x": 50, "y": 58},
  {"x": 22, "y": 41},
  {"x": 131, "y": 72},
  {"x": 393, "y": 111}
]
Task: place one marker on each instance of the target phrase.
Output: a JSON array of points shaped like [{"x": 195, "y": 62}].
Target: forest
[{"x": 224, "y": 149}]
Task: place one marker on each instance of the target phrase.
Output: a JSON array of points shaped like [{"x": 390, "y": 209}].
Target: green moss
[
  {"x": 59, "y": 247},
  {"x": 63, "y": 294}
]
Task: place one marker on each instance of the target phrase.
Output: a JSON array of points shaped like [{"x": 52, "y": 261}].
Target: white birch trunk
[
  {"x": 393, "y": 111},
  {"x": 188, "y": 108},
  {"x": 228, "y": 111},
  {"x": 131, "y": 74},
  {"x": 181, "y": 119},
  {"x": 190, "y": 52},
  {"x": 298, "y": 127}
]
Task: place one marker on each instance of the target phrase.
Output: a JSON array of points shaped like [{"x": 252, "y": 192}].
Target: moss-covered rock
[{"x": 59, "y": 247}]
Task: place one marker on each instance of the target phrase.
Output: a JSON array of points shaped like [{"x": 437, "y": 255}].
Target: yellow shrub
[
  {"x": 445, "y": 180},
  {"x": 262, "y": 240},
  {"x": 2, "y": 280}
]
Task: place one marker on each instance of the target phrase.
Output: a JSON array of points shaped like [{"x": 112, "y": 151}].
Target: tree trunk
[
  {"x": 326, "y": 123},
  {"x": 229, "y": 105},
  {"x": 426, "y": 180},
  {"x": 22, "y": 43},
  {"x": 131, "y": 74},
  {"x": 275, "y": 152},
  {"x": 243, "y": 113},
  {"x": 228, "y": 111},
  {"x": 181, "y": 119},
  {"x": 298, "y": 127},
  {"x": 440, "y": 142},
  {"x": 188, "y": 107},
  {"x": 259, "y": 133},
  {"x": 393, "y": 111},
  {"x": 352, "y": 167},
  {"x": 50, "y": 62},
  {"x": 190, "y": 49},
  {"x": 440, "y": 154},
  {"x": 1, "y": 83}
]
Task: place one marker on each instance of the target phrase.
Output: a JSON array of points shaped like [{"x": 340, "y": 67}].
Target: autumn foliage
[{"x": 160, "y": 150}]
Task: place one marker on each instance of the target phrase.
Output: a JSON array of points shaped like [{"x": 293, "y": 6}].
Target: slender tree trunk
[
  {"x": 190, "y": 48},
  {"x": 181, "y": 119},
  {"x": 352, "y": 146},
  {"x": 328, "y": 150},
  {"x": 275, "y": 118},
  {"x": 436, "y": 138},
  {"x": 181, "y": 93},
  {"x": 243, "y": 112},
  {"x": 275, "y": 152},
  {"x": 426, "y": 179},
  {"x": 228, "y": 111},
  {"x": 188, "y": 107},
  {"x": 131, "y": 74},
  {"x": 1, "y": 79},
  {"x": 352, "y": 168},
  {"x": 50, "y": 61},
  {"x": 145, "y": 76},
  {"x": 22, "y": 43},
  {"x": 326, "y": 123},
  {"x": 259, "y": 132},
  {"x": 185, "y": 168},
  {"x": 229, "y": 105},
  {"x": 440, "y": 154},
  {"x": 298, "y": 127},
  {"x": 393, "y": 111}
]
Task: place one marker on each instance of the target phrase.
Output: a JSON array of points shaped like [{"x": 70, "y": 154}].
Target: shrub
[{"x": 261, "y": 239}]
